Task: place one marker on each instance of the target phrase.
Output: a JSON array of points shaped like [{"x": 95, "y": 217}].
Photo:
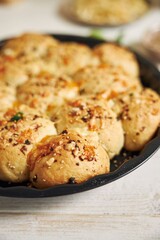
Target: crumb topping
[
  {"x": 59, "y": 146},
  {"x": 94, "y": 116}
]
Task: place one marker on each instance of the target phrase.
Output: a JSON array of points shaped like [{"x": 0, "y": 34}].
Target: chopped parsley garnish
[{"x": 18, "y": 116}]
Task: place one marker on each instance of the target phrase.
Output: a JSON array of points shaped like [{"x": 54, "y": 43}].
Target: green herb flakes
[{"x": 18, "y": 116}]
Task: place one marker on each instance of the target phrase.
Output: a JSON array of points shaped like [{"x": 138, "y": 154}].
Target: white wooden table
[{"x": 128, "y": 209}]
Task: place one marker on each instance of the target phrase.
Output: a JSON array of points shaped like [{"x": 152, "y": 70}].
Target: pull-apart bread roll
[
  {"x": 68, "y": 58},
  {"x": 140, "y": 119},
  {"x": 117, "y": 56},
  {"x": 22, "y": 56},
  {"x": 93, "y": 119},
  {"x": 29, "y": 46},
  {"x": 105, "y": 81},
  {"x": 20, "y": 129},
  {"x": 46, "y": 91},
  {"x": 66, "y": 158},
  {"x": 7, "y": 97},
  {"x": 37, "y": 53},
  {"x": 119, "y": 102},
  {"x": 12, "y": 72}
]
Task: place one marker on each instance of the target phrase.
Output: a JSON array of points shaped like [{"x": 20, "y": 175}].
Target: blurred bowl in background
[{"x": 104, "y": 12}]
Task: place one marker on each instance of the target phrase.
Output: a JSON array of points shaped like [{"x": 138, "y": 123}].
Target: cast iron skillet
[{"x": 123, "y": 164}]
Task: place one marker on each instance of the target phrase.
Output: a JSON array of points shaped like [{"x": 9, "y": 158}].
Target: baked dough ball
[
  {"x": 140, "y": 119},
  {"x": 57, "y": 59},
  {"x": 7, "y": 97},
  {"x": 93, "y": 119},
  {"x": 117, "y": 56},
  {"x": 66, "y": 158},
  {"x": 27, "y": 51},
  {"x": 29, "y": 46},
  {"x": 11, "y": 71},
  {"x": 20, "y": 129},
  {"x": 45, "y": 91},
  {"x": 119, "y": 103},
  {"x": 105, "y": 81},
  {"x": 69, "y": 57}
]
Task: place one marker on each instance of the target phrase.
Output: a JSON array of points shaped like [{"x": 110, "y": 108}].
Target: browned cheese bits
[
  {"x": 140, "y": 119},
  {"x": 115, "y": 55},
  {"x": 93, "y": 119},
  {"x": 7, "y": 97},
  {"x": 21, "y": 57},
  {"x": 68, "y": 58},
  {"x": 29, "y": 46},
  {"x": 66, "y": 158},
  {"x": 20, "y": 129},
  {"x": 12, "y": 72},
  {"x": 44, "y": 92},
  {"x": 105, "y": 81}
]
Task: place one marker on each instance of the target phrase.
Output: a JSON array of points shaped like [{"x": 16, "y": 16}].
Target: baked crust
[
  {"x": 12, "y": 72},
  {"x": 45, "y": 91},
  {"x": 68, "y": 58},
  {"x": 140, "y": 119},
  {"x": 115, "y": 55},
  {"x": 105, "y": 81},
  {"x": 20, "y": 128},
  {"x": 29, "y": 46},
  {"x": 94, "y": 119},
  {"x": 66, "y": 158},
  {"x": 7, "y": 97}
]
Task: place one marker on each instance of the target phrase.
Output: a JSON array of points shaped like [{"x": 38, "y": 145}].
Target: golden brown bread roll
[
  {"x": 23, "y": 55},
  {"x": 45, "y": 91},
  {"x": 115, "y": 55},
  {"x": 68, "y": 58},
  {"x": 29, "y": 46},
  {"x": 119, "y": 102},
  {"x": 37, "y": 53},
  {"x": 20, "y": 128},
  {"x": 7, "y": 97},
  {"x": 11, "y": 71},
  {"x": 93, "y": 119},
  {"x": 105, "y": 81},
  {"x": 140, "y": 119},
  {"x": 66, "y": 158}
]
